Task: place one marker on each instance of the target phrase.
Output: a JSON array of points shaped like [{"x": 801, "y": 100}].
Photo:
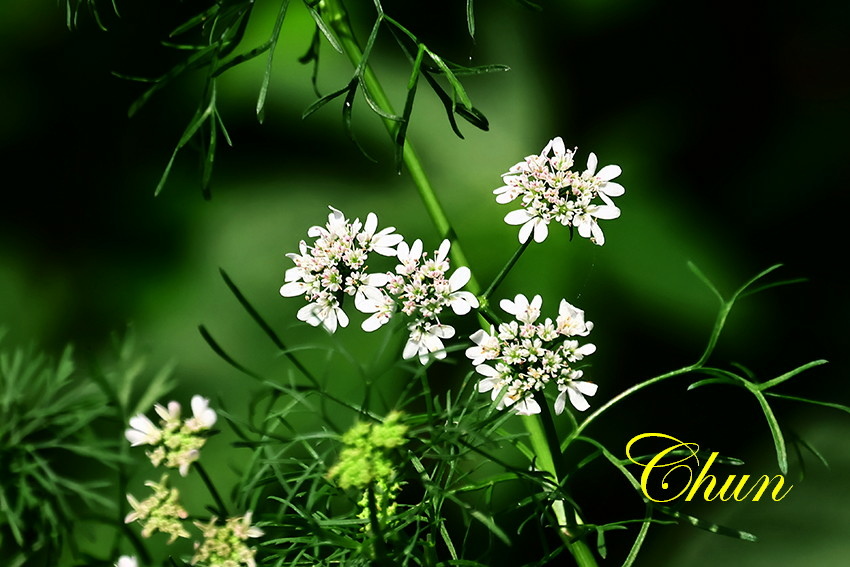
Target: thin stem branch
[
  {"x": 505, "y": 270},
  {"x": 219, "y": 503}
]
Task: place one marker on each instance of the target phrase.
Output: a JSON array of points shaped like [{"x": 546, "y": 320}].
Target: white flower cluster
[
  {"x": 177, "y": 443},
  {"x": 420, "y": 287},
  {"x": 522, "y": 356},
  {"x": 161, "y": 512},
  {"x": 225, "y": 545},
  {"x": 549, "y": 190},
  {"x": 335, "y": 266}
]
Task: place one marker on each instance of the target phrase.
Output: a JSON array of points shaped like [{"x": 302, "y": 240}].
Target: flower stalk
[{"x": 336, "y": 17}]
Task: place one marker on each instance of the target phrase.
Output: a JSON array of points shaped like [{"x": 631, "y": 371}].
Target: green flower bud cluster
[{"x": 365, "y": 459}]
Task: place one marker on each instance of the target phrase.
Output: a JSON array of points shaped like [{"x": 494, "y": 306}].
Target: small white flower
[
  {"x": 520, "y": 357},
  {"x": 127, "y": 561},
  {"x": 372, "y": 300},
  {"x": 384, "y": 242},
  {"x": 522, "y": 309},
  {"x": 335, "y": 266},
  {"x": 570, "y": 321},
  {"x": 142, "y": 431},
  {"x": 532, "y": 221},
  {"x": 487, "y": 346},
  {"x": 605, "y": 175},
  {"x": 548, "y": 189},
  {"x": 461, "y": 302},
  {"x": 576, "y": 390},
  {"x": 424, "y": 341},
  {"x": 325, "y": 312},
  {"x": 203, "y": 417}
]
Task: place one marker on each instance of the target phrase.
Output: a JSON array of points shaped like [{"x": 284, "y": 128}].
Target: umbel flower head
[
  {"x": 161, "y": 512},
  {"x": 335, "y": 266},
  {"x": 177, "y": 443},
  {"x": 520, "y": 357},
  {"x": 550, "y": 190},
  {"x": 421, "y": 289},
  {"x": 224, "y": 546}
]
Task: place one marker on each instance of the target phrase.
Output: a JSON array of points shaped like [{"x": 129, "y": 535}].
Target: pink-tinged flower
[
  {"x": 425, "y": 341},
  {"x": 381, "y": 306},
  {"x": 549, "y": 190},
  {"x": 336, "y": 266},
  {"x": 177, "y": 442},
  {"x": 487, "y": 346},
  {"x": 142, "y": 431},
  {"x": 519, "y": 358}
]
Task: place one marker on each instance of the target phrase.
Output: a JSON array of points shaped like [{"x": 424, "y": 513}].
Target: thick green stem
[{"x": 337, "y": 18}]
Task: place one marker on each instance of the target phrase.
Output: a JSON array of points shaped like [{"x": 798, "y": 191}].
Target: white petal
[
  {"x": 487, "y": 370},
  {"x": 410, "y": 349},
  {"x": 560, "y": 402},
  {"x": 443, "y": 251},
  {"x": 309, "y": 315},
  {"x": 371, "y": 224},
  {"x": 462, "y": 302},
  {"x": 586, "y": 388},
  {"x": 486, "y": 385},
  {"x": 541, "y": 230},
  {"x": 330, "y": 321},
  {"x": 606, "y": 212},
  {"x": 592, "y": 162},
  {"x": 372, "y": 323},
  {"x": 341, "y": 317},
  {"x": 587, "y": 349},
  {"x": 293, "y": 289},
  {"x": 527, "y": 406},
  {"x": 376, "y": 280},
  {"x": 577, "y": 399},
  {"x": 202, "y": 412},
  {"x": 609, "y": 172},
  {"x": 598, "y": 235},
  {"x": 525, "y": 231},
  {"x": 519, "y": 216},
  {"x": 612, "y": 189},
  {"x": 459, "y": 278},
  {"x": 556, "y": 145},
  {"x": 509, "y": 306}
]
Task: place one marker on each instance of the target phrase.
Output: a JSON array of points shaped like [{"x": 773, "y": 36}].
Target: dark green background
[{"x": 730, "y": 125}]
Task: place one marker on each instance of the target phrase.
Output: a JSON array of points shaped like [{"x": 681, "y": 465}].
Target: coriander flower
[
  {"x": 335, "y": 266},
  {"x": 161, "y": 512},
  {"x": 549, "y": 190},
  {"x": 127, "y": 561},
  {"x": 422, "y": 290},
  {"x": 176, "y": 443},
  {"x": 224, "y": 546},
  {"x": 520, "y": 357}
]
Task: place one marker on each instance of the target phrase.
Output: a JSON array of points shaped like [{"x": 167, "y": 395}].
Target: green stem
[
  {"x": 219, "y": 503},
  {"x": 620, "y": 397},
  {"x": 336, "y": 17},
  {"x": 375, "y": 525},
  {"x": 508, "y": 267}
]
